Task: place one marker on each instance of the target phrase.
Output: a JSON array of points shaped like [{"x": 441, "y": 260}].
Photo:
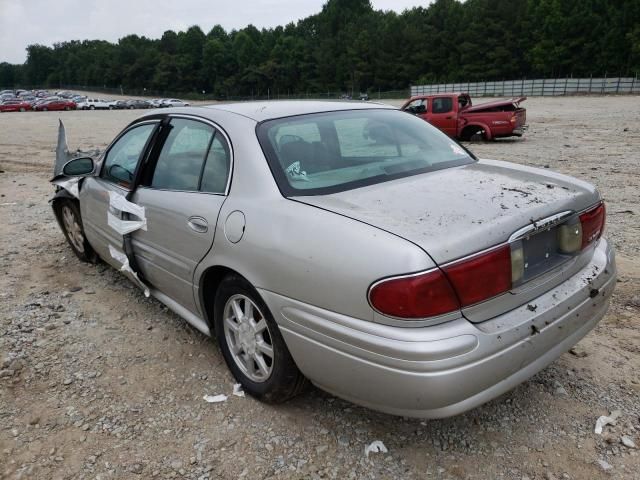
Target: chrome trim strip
[{"x": 537, "y": 225}]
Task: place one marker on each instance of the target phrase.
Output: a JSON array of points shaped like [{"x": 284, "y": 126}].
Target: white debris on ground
[
  {"x": 375, "y": 447},
  {"x": 237, "y": 390},
  {"x": 215, "y": 398},
  {"x": 604, "y": 420}
]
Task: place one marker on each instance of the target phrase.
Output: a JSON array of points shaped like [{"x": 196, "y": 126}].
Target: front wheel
[
  {"x": 68, "y": 213},
  {"x": 252, "y": 345}
]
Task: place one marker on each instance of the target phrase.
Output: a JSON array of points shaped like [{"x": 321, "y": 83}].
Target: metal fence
[{"x": 536, "y": 87}]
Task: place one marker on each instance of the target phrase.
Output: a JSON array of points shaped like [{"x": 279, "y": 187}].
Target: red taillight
[
  {"x": 482, "y": 276},
  {"x": 592, "y": 224},
  {"x": 416, "y": 296}
]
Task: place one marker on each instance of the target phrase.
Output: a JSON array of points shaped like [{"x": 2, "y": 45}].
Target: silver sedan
[{"x": 352, "y": 245}]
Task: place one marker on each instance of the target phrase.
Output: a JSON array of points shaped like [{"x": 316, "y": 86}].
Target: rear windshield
[{"x": 323, "y": 153}]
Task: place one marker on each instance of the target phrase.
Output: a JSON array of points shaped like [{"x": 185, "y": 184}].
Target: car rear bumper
[{"x": 443, "y": 370}]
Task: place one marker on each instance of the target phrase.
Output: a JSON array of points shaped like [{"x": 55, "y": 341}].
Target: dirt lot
[{"x": 98, "y": 382}]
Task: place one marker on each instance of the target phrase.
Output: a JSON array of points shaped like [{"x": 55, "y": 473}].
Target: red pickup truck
[{"x": 455, "y": 115}]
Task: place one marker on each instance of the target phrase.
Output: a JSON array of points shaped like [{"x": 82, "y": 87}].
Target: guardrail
[{"x": 536, "y": 87}]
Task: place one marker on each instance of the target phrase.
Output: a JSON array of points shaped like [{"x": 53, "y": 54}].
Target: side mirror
[{"x": 78, "y": 167}]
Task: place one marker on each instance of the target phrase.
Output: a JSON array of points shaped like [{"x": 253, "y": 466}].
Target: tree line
[{"x": 348, "y": 46}]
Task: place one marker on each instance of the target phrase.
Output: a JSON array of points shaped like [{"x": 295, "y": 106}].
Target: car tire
[
  {"x": 92, "y": 107},
  {"x": 245, "y": 344},
  {"x": 22, "y": 109},
  {"x": 67, "y": 108},
  {"x": 45, "y": 109},
  {"x": 68, "y": 214}
]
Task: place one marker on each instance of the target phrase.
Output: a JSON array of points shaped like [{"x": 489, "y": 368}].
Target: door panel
[
  {"x": 442, "y": 115},
  {"x": 182, "y": 196},
  {"x": 175, "y": 240},
  {"x": 94, "y": 207}
]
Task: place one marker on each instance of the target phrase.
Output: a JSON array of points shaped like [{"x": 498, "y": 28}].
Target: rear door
[
  {"x": 442, "y": 114},
  {"x": 182, "y": 192}
]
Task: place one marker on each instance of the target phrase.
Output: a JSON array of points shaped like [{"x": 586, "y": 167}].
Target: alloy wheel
[
  {"x": 248, "y": 338},
  {"x": 73, "y": 228}
]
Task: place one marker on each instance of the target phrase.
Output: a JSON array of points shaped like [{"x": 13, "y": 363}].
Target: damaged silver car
[{"x": 349, "y": 244}]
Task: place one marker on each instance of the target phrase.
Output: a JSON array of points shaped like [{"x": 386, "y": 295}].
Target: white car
[
  {"x": 173, "y": 102},
  {"x": 93, "y": 104}
]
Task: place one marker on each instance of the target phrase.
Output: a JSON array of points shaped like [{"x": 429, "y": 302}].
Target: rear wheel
[
  {"x": 45, "y": 109},
  {"x": 22, "y": 109},
  {"x": 252, "y": 344},
  {"x": 67, "y": 108},
  {"x": 68, "y": 213}
]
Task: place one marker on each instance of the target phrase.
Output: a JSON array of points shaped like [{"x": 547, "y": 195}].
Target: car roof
[{"x": 267, "y": 110}]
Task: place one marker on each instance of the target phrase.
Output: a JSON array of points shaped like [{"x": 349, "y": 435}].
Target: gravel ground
[{"x": 98, "y": 382}]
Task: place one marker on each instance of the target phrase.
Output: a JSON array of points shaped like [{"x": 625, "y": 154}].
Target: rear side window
[
  {"x": 182, "y": 157},
  {"x": 441, "y": 105},
  {"x": 216, "y": 168}
]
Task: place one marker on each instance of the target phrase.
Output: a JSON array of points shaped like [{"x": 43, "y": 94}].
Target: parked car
[
  {"x": 173, "y": 102},
  {"x": 119, "y": 104},
  {"x": 15, "y": 106},
  {"x": 93, "y": 104},
  {"x": 455, "y": 115},
  {"x": 350, "y": 244},
  {"x": 157, "y": 102},
  {"x": 55, "y": 105},
  {"x": 136, "y": 103}
]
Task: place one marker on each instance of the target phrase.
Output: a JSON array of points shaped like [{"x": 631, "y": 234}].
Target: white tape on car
[
  {"x": 120, "y": 204},
  {"x": 127, "y": 270}
]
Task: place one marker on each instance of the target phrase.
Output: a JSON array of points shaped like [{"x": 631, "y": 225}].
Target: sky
[{"x": 25, "y": 22}]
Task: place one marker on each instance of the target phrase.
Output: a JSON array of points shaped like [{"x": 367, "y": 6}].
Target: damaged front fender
[{"x": 63, "y": 156}]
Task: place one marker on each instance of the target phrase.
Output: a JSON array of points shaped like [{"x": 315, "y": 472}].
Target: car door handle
[
  {"x": 449, "y": 118},
  {"x": 198, "y": 224}
]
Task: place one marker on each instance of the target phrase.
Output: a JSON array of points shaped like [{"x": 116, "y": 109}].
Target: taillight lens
[
  {"x": 592, "y": 224},
  {"x": 417, "y": 296},
  {"x": 482, "y": 276}
]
